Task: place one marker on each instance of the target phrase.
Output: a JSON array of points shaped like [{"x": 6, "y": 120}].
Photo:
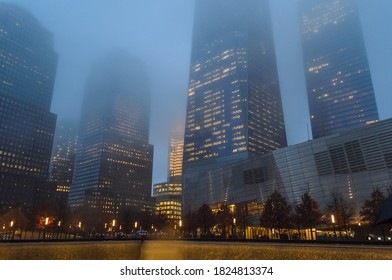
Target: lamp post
[
  {"x": 12, "y": 229},
  {"x": 234, "y": 222},
  {"x": 180, "y": 226},
  {"x": 333, "y": 223},
  {"x": 58, "y": 229},
  {"x": 80, "y": 228},
  {"x": 45, "y": 225}
]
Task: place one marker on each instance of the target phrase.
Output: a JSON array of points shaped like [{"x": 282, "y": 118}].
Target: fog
[{"x": 159, "y": 33}]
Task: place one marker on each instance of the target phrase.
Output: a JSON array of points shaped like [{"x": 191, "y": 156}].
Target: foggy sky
[{"x": 159, "y": 32}]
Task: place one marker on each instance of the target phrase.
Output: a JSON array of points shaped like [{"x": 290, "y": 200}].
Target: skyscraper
[
  {"x": 339, "y": 84},
  {"x": 168, "y": 195},
  {"x": 62, "y": 161},
  {"x": 63, "y": 155},
  {"x": 234, "y": 106},
  {"x": 113, "y": 168},
  {"x": 27, "y": 73},
  {"x": 176, "y": 153}
]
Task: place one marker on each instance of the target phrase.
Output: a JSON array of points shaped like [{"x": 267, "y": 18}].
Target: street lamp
[
  {"x": 234, "y": 223},
  {"x": 46, "y": 223},
  {"x": 58, "y": 229},
  {"x": 333, "y": 222},
  {"x": 13, "y": 232},
  {"x": 113, "y": 228}
]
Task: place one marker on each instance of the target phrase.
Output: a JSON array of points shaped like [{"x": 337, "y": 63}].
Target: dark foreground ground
[{"x": 190, "y": 250}]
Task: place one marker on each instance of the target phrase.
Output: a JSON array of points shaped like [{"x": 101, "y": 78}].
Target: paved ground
[{"x": 191, "y": 250}]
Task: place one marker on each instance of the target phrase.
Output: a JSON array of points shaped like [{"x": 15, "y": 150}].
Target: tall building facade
[
  {"x": 113, "y": 168},
  {"x": 27, "y": 73},
  {"x": 176, "y": 153},
  {"x": 168, "y": 195},
  {"x": 62, "y": 162},
  {"x": 234, "y": 105},
  {"x": 63, "y": 155},
  {"x": 338, "y": 79}
]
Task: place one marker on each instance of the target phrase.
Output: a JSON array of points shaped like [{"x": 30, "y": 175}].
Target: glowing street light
[
  {"x": 13, "y": 232},
  {"x": 333, "y": 222},
  {"x": 80, "y": 225},
  {"x": 180, "y": 223},
  {"x": 114, "y": 223},
  {"x": 135, "y": 224},
  {"x": 46, "y": 221},
  {"x": 234, "y": 231}
]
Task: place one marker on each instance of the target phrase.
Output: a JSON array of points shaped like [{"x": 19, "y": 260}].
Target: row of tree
[
  {"x": 226, "y": 221},
  {"x": 279, "y": 215}
]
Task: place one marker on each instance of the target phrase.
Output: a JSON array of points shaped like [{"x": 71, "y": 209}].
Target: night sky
[{"x": 159, "y": 32}]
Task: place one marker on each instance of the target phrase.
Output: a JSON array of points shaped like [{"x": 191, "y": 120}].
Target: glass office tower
[
  {"x": 168, "y": 195},
  {"x": 28, "y": 65},
  {"x": 234, "y": 105},
  {"x": 339, "y": 84},
  {"x": 176, "y": 152},
  {"x": 113, "y": 166},
  {"x": 62, "y": 161}
]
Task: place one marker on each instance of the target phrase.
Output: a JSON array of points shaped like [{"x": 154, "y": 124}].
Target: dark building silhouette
[
  {"x": 339, "y": 84},
  {"x": 113, "y": 168},
  {"x": 234, "y": 105},
  {"x": 27, "y": 73}
]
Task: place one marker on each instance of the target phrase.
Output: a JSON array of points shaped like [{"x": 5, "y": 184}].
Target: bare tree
[
  {"x": 371, "y": 208},
  {"x": 342, "y": 210},
  {"x": 308, "y": 213},
  {"x": 276, "y": 213},
  {"x": 205, "y": 219},
  {"x": 224, "y": 219},
  {"x": 241, "y": 216}
]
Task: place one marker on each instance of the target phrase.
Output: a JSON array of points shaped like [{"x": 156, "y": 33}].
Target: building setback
[
  {"x": 113, "y": 169},
  {"x": 234, "y": 105},
  {"x": 338, "y": 79},
  {"x": 27, "y": 73}
]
